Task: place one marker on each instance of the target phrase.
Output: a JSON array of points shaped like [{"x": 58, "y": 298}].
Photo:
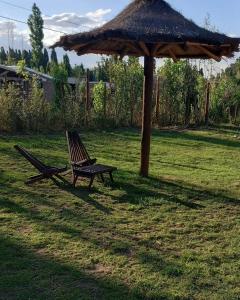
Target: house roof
[
  {"x": 151, "y": 27},
  {"x": 15, "y": 70}
]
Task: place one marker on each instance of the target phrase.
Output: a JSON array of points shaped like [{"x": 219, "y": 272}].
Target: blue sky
[{"x": 224, "y": 15}]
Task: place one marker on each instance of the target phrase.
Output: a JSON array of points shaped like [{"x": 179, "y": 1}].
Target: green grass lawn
[{"x": 173, "y": 236}]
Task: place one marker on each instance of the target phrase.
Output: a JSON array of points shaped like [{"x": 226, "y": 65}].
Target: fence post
[
  {"x": 207, "y": 104},
  {"x": 157, "y": 110},
  {"x": 105, "y": 101},
  {"x": 87, "y": 98}
]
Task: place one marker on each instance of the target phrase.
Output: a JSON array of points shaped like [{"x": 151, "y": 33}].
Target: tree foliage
[
  {"x": 54, "y": 59},
  {"x": 35, "y": 23},
  {"x": 180, "y": 93},
  {"x": 67, "y": 65}
]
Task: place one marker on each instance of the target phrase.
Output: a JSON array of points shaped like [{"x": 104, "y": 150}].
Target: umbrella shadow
[{"x": 144, "y": 189}]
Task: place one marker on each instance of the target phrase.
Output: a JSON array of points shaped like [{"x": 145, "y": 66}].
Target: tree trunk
[{"x": 147, "y": 114}]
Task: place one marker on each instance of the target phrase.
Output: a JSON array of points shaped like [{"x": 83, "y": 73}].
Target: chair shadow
[
  {"x": 139, "y": 190},
  {"x": 84, "y": 194}
]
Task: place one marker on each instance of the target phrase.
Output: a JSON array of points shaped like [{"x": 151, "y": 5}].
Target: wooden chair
[
  {"x": 46, "y": 172},
  {"x": 79, "y": 156},
  {"x": 81, "y": 163}
]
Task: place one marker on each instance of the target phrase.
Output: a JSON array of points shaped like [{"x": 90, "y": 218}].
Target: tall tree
[
  {"x": 45, "y": 61},
  {"x": 67, "y": 65},
  {"x": 78, "y": 71},
  {"x": 35, "y": 23},
  {"x": 11, "y": 57},
  {"x": 3, "y": 56},
  {"x": 19, "y": 54},
  {"x": 26, "y": 57},
  {"x": 54, "y": 59}
]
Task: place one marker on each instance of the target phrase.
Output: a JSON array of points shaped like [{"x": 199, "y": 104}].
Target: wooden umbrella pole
[{"x": 147, "y": 115}]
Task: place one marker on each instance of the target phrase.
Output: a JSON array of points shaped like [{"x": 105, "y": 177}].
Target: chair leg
[
  {"x": 75, "y": 178},
  {"x": 111, "y": 176},
  {"x": 102, "y": 178},
  {"x": 91, "y": 182}
]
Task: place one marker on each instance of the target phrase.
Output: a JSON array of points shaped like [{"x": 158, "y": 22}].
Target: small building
[{"x": 11, "y": 74}]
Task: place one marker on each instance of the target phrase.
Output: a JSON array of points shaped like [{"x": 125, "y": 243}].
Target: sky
[{"x": 73, "y": 16}]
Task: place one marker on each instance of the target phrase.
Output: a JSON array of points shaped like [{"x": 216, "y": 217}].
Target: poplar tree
[
  {"x": 54, "y": 59},
  {"x": 67, "y": 65},
  {"x": 26, "y": 57},
  {"x": 3, "y": 56},
  {"x": 35, "y": 23},
  {"x": 45, "y": 61}
]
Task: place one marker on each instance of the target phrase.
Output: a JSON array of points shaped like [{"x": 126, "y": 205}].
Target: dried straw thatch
[{"x": 152, "y": 28}]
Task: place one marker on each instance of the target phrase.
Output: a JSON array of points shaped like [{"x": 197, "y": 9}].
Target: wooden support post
[
  {"x": 87, "y": 98},
  {"x": 147, "y": 114},
  {"x": 207, "y": 104}
]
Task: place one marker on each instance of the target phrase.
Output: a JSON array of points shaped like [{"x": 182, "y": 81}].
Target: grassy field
[{"x": 173, "y": 236}]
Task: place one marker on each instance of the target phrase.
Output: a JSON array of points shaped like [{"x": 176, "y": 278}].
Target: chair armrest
[{"x": 83, "y": 163}]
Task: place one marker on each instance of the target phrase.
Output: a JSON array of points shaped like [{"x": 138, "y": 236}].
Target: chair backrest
[
  {"x": 29, "y": 157},
  {"x": 77, "y": 151}
]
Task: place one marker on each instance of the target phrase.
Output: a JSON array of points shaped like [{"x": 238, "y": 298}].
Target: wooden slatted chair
[
  {"x": 46, "y": 172},
  {"x": 79, "y": 156},
  {"x": 81, "y": 163}
]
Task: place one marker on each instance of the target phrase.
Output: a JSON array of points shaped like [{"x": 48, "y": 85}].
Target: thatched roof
[{"x": 151, "y": 27}]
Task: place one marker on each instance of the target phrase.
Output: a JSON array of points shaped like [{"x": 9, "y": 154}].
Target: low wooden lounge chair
[
  {"x": 81, "y": 163},
  {"x": 46, "y": 172}
]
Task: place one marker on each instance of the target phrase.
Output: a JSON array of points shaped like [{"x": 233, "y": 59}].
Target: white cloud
[
  {"x": 72, "y": 20},
  {"x": 65, "y": 22},
  {"x": 98, "y": 14},
  {"x": 72, "y": 23}
]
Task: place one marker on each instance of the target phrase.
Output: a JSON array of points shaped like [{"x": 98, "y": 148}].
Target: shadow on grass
[
  {"x": 29, "y": 274},
  {"x": 193, "y": 167},
  {"x": 187, "y": 135},
  {"x": 84, "y": 194},
  {"x": 226, "y": 128},
  {"x": 156, "y": 263},
  {"x": 136, "y": 194},
  {"x": 151, "y": 192},
  {"x": 160, "y": 190},
  {"x": 34, "y": 274}
]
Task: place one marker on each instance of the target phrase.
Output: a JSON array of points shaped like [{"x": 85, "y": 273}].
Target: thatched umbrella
[{"x": 151, "y": 28}]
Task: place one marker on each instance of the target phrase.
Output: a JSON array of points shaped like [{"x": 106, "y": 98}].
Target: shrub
[
  {"x": 10, "y": 108},
  {"x": 36, "y": 109}
]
